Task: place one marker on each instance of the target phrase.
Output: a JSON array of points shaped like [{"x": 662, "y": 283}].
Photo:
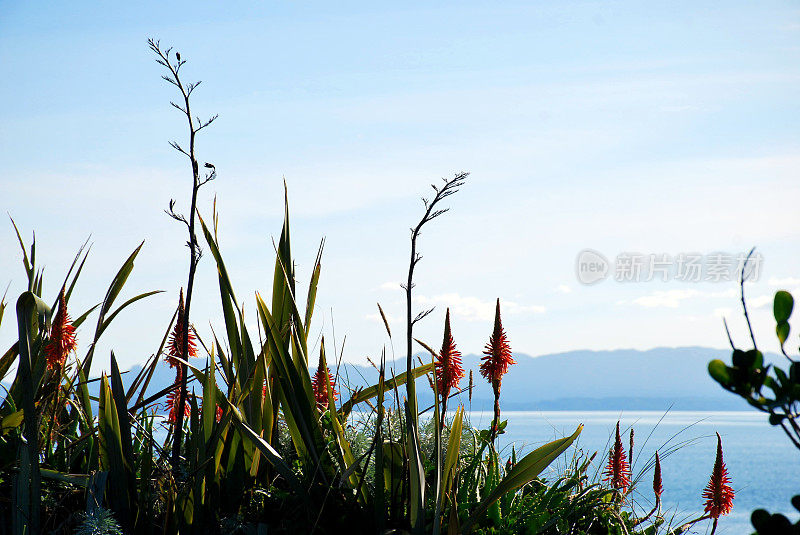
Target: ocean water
[{"x": 763, "y": 465}]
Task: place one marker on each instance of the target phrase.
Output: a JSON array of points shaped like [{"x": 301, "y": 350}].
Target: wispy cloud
[
  {"x": 760, "y": 301},
  {"x": 785, "y": 281},
  {"x": 674, "y": 298},
  {"x": 475, "y": 309},
  {"x": 665, "y": 298},
  {"x": 563, "y": 289},
  {"x": 389, "y": 286}
]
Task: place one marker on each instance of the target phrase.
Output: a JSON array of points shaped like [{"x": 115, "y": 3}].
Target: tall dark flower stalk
[
  {"x": 416, "y": 513},
  {"x": 448, "y": 366},
  {"x": 173, "y": 67},
  {"x": 495, "y": 362}
]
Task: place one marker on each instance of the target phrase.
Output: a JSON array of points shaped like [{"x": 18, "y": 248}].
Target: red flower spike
[
  {"x": 319, "y": 386},
  {"x": 172, "y": 399},
  {"x": 176, "y": 338},
  {"x": 62, "y": 336},
  {"x": 718, "y": 493},
  {"x": 618, "y": 471},
  {"x": 657, "y": 487},
  {"x": 497, "y": 355},
  {"x": 448, "y": 363},
  {"x": 219, "y": 413}
]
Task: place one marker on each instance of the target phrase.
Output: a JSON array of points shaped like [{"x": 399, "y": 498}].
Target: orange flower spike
[
  {"x": 172, "y": 399},
  {"x": 497, "y": 355},
  {"x": 319, "y": 386},
  {"x": 495, "y": 362},
  {"x": 657, "y": 486},
  {"x": 62, "y": 336},
  {"x": 718, "y": 493},
  {"x": 448, "y": 363},
  {"x": 617, "y": 470},
  {"x": 176, "y": 338}
]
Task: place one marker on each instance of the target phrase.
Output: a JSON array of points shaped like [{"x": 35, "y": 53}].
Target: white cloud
[
  {"x": 730, "y": 292},
  {"x": 376, "y": 317},
  {"x": 390, "y": 285},
  {"x": 722, "y": 312},
  {"x": 760, "y": 301},
  {"x": 665, "y": 298},
  {"x": 673, "y": 298},
  {"x": 474, "y": 309},
  {"x": 786, "y": 281},
  {"x": 563, "y": 289}
]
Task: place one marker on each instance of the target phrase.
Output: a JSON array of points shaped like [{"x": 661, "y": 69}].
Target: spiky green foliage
[
  {"x": 99, "y": 521},
  {"x": 257, "y": 451}
]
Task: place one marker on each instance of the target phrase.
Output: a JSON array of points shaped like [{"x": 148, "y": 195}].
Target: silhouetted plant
[
  {"x": 748, "y": 376},
  {"x": 173, "y": 67}
]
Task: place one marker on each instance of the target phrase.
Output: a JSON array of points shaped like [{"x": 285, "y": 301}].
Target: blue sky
[{"x": 616, "y": 126}]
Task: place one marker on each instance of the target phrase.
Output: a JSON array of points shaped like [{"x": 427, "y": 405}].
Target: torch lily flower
[
  {"x": 173, "y": 396},
  {"x": 176, "y": 338},
  {"x": 62, "y": 336},
  {"x": 657, "y": 486},
  {"x": 618, "y": 471},
  {"x": 718, "y": 493},
  {"x": 448, "y": 363},
  {"x": 497, "y": 355},
  {"x": 495, "y": 362},
  {"x": 320, "y": 386},
  {"x": 174, "y": 352}
]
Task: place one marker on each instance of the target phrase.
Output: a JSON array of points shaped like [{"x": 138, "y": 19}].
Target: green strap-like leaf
[
  {"x": 453, "y": 448},
  {"x": 270, "y": 453},
  {"x": 525, "y": 471},
  {"x": 372, "y": 391},
  {"x": 33, "y": 315}
]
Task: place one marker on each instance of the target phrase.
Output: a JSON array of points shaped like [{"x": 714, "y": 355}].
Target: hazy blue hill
[
  {"x": 619, "y": 379},
  {"x": 578, "y": 380}
]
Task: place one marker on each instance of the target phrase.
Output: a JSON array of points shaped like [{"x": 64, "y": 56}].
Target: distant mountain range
[{"x": 624, "y": 379}]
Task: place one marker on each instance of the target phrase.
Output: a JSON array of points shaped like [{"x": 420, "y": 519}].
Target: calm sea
[{"x": 763, "y": 464}]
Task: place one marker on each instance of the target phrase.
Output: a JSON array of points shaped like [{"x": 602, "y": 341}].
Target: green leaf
[
  {"x": 270, "y": 453},
  {"x": 348, "y": 459},
  {"x": 29, "y": 266},
  {"x": 312, "y": 288},
  {"x": 453, "y": 448},
  {"x": 782, "y": 306},
  {"x": 122, "y": 307},
  {"x": 391, "y": 384},
  {"x": 209, "y": 402},
  {"x": 719, "y": 372},
  {"x": 782, "y": 330},
  {"x": 81, "y": 480},
  {"x": 8, "y": 359},
  {"x": 33, "y": 316},
  {"x": 12, "y": 421},
  {"x": 111, "y": 295},
  {"x": 112, "y": 452},
  {"x": 525, "y": 471},
  {"x": 296, "y": 393}
]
